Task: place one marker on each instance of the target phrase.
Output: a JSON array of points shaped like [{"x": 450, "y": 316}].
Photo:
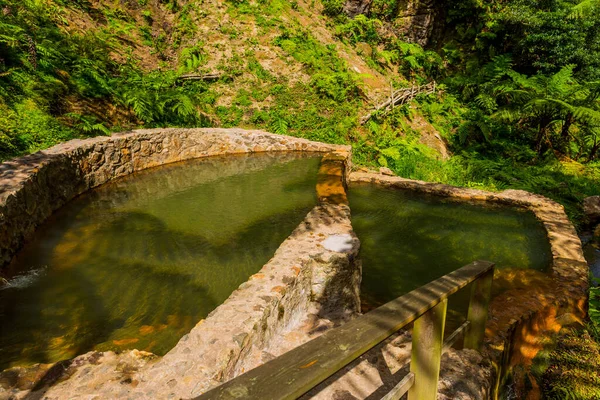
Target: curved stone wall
[{"x": 34, "y": 186}]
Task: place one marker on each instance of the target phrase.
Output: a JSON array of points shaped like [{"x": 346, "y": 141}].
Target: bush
[{"x": 333, "y": 7}]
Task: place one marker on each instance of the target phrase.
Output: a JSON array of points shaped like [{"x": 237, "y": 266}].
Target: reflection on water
[
  {"x": 138, "y": 262},
  {"x": 409, "y": 239}
]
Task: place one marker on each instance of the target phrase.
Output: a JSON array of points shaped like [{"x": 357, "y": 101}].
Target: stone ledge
[{"x": 34, "y": 186}]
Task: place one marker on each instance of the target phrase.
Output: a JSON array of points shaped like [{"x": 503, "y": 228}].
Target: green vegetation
[
  {"x": 518, "y": 101},
  {"x": 573, "y": 374},
  {"x": 54, "y": 80}
]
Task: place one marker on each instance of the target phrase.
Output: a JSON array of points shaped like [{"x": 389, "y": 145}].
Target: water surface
[
  {"x": 410, "y": 239},
  {"x": 138, "y": 262}
]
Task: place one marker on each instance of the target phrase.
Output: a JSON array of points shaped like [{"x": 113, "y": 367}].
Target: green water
[
  {"x": 138, "y": 262},
  {"x": 409, "y": 239}
]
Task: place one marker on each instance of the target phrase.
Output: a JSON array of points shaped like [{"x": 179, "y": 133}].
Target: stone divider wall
[
  {"x": 535, "y": 305},
  {"x": 34, "y": 186}
]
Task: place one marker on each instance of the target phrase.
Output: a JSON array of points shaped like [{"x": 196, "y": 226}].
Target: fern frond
[
  {"x": 585, "y": 8},
  {"x": 280, "y": 126}
]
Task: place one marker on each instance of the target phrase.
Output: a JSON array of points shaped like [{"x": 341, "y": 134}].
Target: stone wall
[
  {"x": 34, "y": 186},
  {"x": 532, "y": 305}
]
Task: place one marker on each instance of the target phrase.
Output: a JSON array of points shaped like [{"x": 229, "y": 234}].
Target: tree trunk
[
  {"x": 564, "y": 134},
  {"x": 594, "y": 150},
  {"x": 540, "y": 137}
]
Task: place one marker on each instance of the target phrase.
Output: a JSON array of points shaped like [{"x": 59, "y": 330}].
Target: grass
[
  {"x": 573, "y": 374},
  {"x": 574, "y": 363}
]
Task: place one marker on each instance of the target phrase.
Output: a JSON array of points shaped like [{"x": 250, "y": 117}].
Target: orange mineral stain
[{"x": 125, "y": 342}]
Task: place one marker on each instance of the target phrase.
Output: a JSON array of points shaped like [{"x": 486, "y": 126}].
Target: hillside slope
[
  {"x": 314, "y": 68},
  {"x": 89, "y": 67}
]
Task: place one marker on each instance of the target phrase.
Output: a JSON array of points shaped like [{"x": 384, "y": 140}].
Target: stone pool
[
  {"x": 409, "y": 239},
  {"x": 136, "y": 263},
  {"x": 140, "y": 258}
]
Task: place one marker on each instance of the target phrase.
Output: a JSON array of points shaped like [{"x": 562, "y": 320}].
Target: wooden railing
[{"x": 294, "y": 373}]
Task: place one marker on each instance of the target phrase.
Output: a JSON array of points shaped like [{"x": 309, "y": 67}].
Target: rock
[
  {"x": 352, "y": 8},
  {"x": 597, "y": 234},
  {"x": 386, "y": 171},
  {"x": 414, "y": 20},
  {"x": 591, "y": 208}
]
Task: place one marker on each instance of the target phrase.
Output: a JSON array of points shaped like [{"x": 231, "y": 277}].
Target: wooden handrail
[{"x": 296, "y": 372}]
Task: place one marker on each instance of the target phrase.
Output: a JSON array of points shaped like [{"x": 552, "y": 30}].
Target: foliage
[
  {"x": 46, "y": 68},
  {"x": 573, "y": 373},
  {"x": 539, "y": 35},
  {"x": 584, "y": 9},
  {"x": 333, "y": 7},
  {"x": 359, "y": 29},
  {"x": 415, "y": 61},
  {"x": 594, "y": 310},
  {"x": 548, "y": 112}
]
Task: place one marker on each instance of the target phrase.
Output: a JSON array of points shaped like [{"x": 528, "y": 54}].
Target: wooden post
[
  {"x": 481, "y": 293},
  {"x": 427, "y": 344}
]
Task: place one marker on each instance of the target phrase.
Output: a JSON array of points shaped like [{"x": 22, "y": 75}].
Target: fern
[
  {"x": 584, "y": 9},
  {"x": 280, "y": 126}
]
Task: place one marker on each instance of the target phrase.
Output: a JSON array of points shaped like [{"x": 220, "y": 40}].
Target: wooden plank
[
  {"x": 401, "y": 388},
  {"x": 426, "y": 354},
  {"x": 455, "y": 335},
  {"x": 294, "y": 373},
  {"x": 406, "y": 383},
  {"x": 478, "y": 311}
]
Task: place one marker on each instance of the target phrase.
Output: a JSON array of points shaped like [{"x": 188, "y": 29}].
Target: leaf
[
  {"x": 280, "y": 126},
  {"x": 391, "y": 152}
]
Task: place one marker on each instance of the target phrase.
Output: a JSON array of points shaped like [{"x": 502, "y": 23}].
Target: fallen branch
[
  {"x": 206, "y": 77},
  {"x": 400, "y": 97}
]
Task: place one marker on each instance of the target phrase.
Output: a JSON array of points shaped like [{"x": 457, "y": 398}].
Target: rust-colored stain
[
  {"x": 146, "y": 329},
  {"x": 330, "y": 180},
  {"x": 331, "y": 188},
  {"x": 533, "y": 303},
  {"x": 257, "y": 276},
  {"x": 310, "y": 364},
  {"x": 124, "y": 342},
  {"x": 296, "y": 270},
  {"x": 278, "y": 289},
  {"x": 332, "y": 168}
]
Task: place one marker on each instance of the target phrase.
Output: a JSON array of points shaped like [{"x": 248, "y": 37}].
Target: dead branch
[
  {"x": 206, "y": 77},
  {"x": 400, "y": 97}
]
